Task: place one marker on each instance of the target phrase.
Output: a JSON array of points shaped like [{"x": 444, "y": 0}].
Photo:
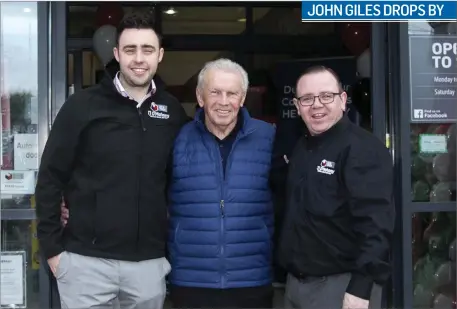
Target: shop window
[
  {"x": 434, "y": 253},
  {"x": 286, "y": 21},
  {"x": 203, "y": 20},
  {"x": 19, "y": 104},
  {"x": 433, "y": 90},
  {"x": 182, "y": 82},
  {"x": 82, "y": 22}
]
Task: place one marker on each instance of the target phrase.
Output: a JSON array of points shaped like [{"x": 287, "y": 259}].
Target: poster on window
[
  {"x": 17, "y": 182},
  {"x": 25, "y": 152},
  {"x": 13, "y": 279},
  {"x": 433, "y": 74}
]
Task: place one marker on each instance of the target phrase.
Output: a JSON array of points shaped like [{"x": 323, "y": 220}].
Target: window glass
[
  {"x": 434, "y": 252},
  {"x": 19, "y": 159},
  {"x": 433, "y": 91}
]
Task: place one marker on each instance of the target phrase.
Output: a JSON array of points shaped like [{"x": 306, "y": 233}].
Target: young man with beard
[
  {"x": 340, "y": 216},
  {"x": 221, "y": 212},
  {"x": 107, "y": 155}
]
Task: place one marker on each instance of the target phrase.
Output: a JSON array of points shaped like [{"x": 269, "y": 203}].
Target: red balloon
[
  {"x": 356, "y": 37},
  {"x": 109, "y": 14}
]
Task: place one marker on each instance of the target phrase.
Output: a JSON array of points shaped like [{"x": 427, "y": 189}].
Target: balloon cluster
[{"x": 104, "y": 40}]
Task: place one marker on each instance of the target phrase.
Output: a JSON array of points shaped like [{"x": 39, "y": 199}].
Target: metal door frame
[
  {"x": 58, "y": 94},
  {"x": 385, "y": 127}
]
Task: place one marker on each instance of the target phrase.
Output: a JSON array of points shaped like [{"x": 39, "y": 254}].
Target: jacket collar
[{"x": 335, "y": 130}]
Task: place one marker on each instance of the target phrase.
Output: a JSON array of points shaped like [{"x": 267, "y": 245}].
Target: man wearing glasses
[{"x": 339, "y": 219}]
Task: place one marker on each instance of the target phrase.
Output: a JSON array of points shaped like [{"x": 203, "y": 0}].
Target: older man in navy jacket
[{"x": 221, "y": 213}]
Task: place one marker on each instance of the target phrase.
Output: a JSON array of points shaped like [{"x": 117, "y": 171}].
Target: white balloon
[
  {"x": 104, "y": 41},
  {"x": 364, "y": 64}
]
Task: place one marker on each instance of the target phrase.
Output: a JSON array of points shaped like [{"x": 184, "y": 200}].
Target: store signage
[
  {"x": 433, "y": 69},
  {"x": 17, "y": 182},
  {"x": 25, "y": 152},
  {"x": 13, "y": 279}
]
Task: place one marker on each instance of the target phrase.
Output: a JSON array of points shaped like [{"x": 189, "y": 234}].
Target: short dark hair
[
  {"x": 318, "y": 69},
  {"x": 137, "y": 21}
]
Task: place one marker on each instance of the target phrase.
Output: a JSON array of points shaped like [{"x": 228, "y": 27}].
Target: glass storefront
[{"x": 433, "y": 86}]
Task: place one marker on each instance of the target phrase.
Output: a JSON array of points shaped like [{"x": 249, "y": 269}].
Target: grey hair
[{"x": 225, "y": 65}]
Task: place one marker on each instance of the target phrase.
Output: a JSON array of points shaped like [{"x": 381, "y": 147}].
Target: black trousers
[{"x": 255, "y": 297}]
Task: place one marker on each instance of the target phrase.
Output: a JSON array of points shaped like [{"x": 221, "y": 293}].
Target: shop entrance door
[
  {"x": 423, "y": 112},
  {"x": 24, "y": 91}
]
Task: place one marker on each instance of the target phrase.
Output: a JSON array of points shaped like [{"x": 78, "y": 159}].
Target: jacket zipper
[
  {"x": 143, "y": 129},
  {"x": 223, "y": 176}
]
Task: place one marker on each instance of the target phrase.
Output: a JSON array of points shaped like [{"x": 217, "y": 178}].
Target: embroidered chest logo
[
  {"x": 326, "y": 167},
  {"x": 158, "y": 111}
]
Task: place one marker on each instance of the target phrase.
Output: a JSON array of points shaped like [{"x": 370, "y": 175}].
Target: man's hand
[
  {"x": 64, "y": 213},
  {"x": 353, "y": 302},
  {"x": 286, "y": 159},
  {"x": 54, "y": 263}
]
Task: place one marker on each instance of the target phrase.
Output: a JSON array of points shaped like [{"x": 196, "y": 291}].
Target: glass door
[
  {"x": 428, "y": 110},
  {"x": 24, "y": 102}
]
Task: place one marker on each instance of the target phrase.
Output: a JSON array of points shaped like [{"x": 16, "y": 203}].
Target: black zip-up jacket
[
  {"x": 340, "y": 212},
  {"x": 108, "y": 159}
]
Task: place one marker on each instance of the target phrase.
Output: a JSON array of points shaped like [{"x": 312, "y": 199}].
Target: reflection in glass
[
  {"x": 19, "y": 91},
  {"x": 21, "y": 236},
  {"x": 433, "y": 173},
  {"x": 434, "y": 253}
]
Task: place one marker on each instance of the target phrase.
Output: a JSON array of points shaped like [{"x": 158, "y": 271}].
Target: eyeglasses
[{"x": 324, "y": 98}]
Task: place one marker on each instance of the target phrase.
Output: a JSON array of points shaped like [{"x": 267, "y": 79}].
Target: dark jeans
[{"x": 188, "y": 297}]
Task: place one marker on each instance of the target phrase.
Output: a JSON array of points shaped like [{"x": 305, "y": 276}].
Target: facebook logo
[{"x": 418, "y": 113}]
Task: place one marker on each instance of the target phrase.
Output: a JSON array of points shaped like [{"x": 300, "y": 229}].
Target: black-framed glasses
[{"x": 324, "y": 98}]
